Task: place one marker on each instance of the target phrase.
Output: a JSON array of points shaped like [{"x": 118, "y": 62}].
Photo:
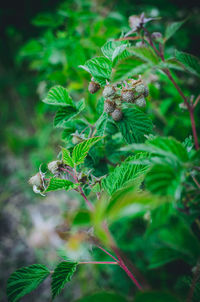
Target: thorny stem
[{"x": 190, "y": 107}]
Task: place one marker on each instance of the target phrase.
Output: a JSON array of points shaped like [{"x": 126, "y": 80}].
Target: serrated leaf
[
  {"x": 61, "y": 275},
  {"x": 124, "y": 173},
  {"x": 60, "y": 184},
  {"x": 115, "y": 50},
  {"x": 172, "y": 29},
  {"x": 190, "y": 62},
  {"x": 163, "y": 256},
  {"x": 100, "y": 68},
  {"x": 134, "y": 125},
  {"x": 58, "y": 96},
  {"x": 80, "y": 151},
  {"x": 101, "y": 124},
  {"x": 171, "y": 63},
  {"x": 65, "y": 114},
  {"x": 146, "y": 54},
  {"x": 66, "y": 157},
  {"x": 164, "y": 180},
  {"x": 129, "y": 67},
  {"x": 25, "y": 280}
]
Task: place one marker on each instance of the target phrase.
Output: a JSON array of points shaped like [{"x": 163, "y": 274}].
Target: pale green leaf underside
[
  {"x": 60, "y": 184},
  {"x": 80, "y": 151},
  {"x": 61, "y": 275},
  {"x": 145, "y": 54},
  {"x": 58, "y": 96},
  {"x": 115, "y": 50},
  {"x": 25, "y": 280}
]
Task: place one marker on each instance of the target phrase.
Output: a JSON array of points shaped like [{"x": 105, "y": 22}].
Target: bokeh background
[{"x": 42, "y": 44}]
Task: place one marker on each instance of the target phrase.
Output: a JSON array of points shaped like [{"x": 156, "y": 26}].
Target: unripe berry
[
  {"x": 109, "y": 92},
  {"x": 54, "y": 166},
  {"x": 140, "y": 102},
  {"x": 128, "y": 96},
  {"x": 93, "y": 87},
  {"x": 140, "y": 88},
  {"x": 109, "y": 106},
  {"x": 117, "y": 115}
]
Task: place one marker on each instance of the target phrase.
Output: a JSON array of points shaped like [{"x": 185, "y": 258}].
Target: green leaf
[
  {"x": 172, "y": 29},
  {"x": 134, "y": 125},
  {"x": 61, "y": 275},
  {"x": 163, "y": 256},
  {"x": 65, "y": 114},
  {"x": 146, "y": 54},
  {"x": 129, "y": 67},
  {"x": 103, "y": 296},
  {"x": 155, "y": 297},
  {"x": 100, "y": 68},
  {"x": 164, "y": 179},
  {"x": 80, "y": 151},
  {"x": 171, "y": 63},
  {"x": 115, "y": 50},
  {"x": 58, "y": 96},
  {"x": 101, "y": 124},
  {"x": 66, "y": 157},
  {"x": 25, "y": 280},
  {"x": 60, "y": 184},
  {"x": 124, "y": 173},
  {"x": 190, "y": 62}
]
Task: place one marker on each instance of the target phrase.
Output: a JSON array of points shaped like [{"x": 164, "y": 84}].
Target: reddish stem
[{"x": 98, "y": 262}]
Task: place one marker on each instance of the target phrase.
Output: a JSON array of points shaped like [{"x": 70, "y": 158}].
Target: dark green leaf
[
  {"x": 60, "y": 184},
  {"x": 58, "y": 96},
  {"x": 61, "y": 275},
  {"x": 25, "y": 280},
  {"x": 101, "y": 124},
  {"x": 190, "y": 62},
  {"x": 134, "y": 125},
  {"x": 172, "y": 29},
  {"x": 105, "y": 297},
  {"x": 155, "y": 297}
]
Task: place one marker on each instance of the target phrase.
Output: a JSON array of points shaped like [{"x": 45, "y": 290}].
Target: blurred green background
[{"x": 42, "y": 44}]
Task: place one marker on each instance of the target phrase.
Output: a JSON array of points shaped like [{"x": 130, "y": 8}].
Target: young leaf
[
  {"x": 163, "y": 256},
  {"x": 101, "y": 124},
  {"x": 60, "y": 184},
  {"x": 115, "y": 50},
  {"x": 134, "y": 125},
  {"x": 66, "y": 157},
  {"x": 80, "y": 151},
  {"x": 145, "y": 54},
  {"x": 25, "y": 280},
  {"x": 124, "y": 173},
  {"x": 61, "y": 275},
  {"x": 65, "y": 114},
  {"x": 58, "y": 96},
  {"x": 172, "y": 28},
  {"x": 100, "y": 69},
  {"x": 190, "y": 62}
]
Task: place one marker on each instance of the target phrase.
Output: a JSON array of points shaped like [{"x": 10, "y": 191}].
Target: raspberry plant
[{"x": 121, "y": 167}]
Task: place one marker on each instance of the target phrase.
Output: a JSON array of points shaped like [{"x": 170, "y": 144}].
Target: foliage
[{"x": 129, "y": 162}]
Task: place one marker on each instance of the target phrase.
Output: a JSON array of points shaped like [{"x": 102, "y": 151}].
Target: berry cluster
[{"x": 133, "y": 92}]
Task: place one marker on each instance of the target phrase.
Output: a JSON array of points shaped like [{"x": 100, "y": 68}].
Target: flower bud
[
  {"x": 54, "y": 166},
  {"x": 109, "y": 92},
  {"x": 36, "y": 180},
  {"x": 140, "y": 102},
  {"x": 128, "y": 96},
  {"x": 93, "y": 87},
  {"x": 117, "y": 115},
  {"x": 109, "y": 106}
]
